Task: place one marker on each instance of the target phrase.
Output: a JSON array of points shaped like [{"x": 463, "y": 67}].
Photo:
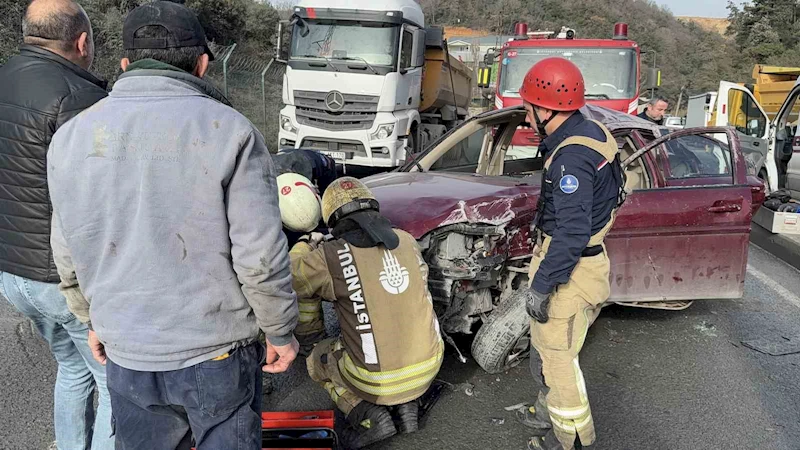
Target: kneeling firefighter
[
  {"x": 582, "y": 187},
  {"x": 390, "y": 349},
  {"x": 301, "y": 213}
]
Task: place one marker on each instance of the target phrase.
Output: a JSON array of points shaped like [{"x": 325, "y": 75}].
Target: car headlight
[
  {"x": 383, "y": 132},
  {"x": 286, "y": 125}
]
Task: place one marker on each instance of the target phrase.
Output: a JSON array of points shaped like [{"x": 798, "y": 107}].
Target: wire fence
[{"x": 253, "y": 86}]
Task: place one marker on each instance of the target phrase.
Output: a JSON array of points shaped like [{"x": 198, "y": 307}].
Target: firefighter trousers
[
  {"x": 573, "y": 309},
  {"x": 311, "y": 323},
  {"x": 323, "y": 367}
]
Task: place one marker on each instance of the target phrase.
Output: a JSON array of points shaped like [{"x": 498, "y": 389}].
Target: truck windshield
[
  {"x": 609, "y": 73},
  {"x": 375, "y": 43}
]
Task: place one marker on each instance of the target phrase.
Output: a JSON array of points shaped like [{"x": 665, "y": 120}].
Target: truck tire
[
  {"x": 503, "y": 340},
  {"x": 413, "y": 140}
]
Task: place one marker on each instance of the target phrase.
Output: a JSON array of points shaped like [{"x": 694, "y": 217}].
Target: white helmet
[{"x": 298, "y": 201}]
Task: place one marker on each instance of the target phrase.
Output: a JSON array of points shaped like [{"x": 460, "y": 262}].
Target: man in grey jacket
[{"x": 166, "y": 214}]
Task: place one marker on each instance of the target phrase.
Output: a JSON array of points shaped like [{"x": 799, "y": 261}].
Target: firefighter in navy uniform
[
  {"x": 390, "y": 349},
  {"x": 582, "y": 187}
]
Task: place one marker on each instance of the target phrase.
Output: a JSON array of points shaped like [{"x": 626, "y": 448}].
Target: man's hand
[
  {"x": 537, "y": 305},
  {"x": 279, "y": 359},
  {"x": 98, "y": 350}
]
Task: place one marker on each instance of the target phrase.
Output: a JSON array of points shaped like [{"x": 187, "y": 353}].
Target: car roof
[{"x": 617, "y": 120}]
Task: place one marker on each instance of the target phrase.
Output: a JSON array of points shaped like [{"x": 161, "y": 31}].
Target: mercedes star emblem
[{"x": 334, "y": 101}]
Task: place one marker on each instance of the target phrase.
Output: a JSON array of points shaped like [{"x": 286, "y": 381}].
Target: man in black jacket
[{"x": 43, "y": 87}]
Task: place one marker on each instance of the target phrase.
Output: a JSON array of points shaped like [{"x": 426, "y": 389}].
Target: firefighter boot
[
  {"x": 367, "y": 424},
  {"x": 548, "y": 442},
  {"x": 407, "y": 415},
  {"x": 536, "y": 417}
]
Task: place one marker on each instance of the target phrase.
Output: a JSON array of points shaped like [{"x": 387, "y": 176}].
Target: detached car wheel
[{"x": 503, "y": 341}]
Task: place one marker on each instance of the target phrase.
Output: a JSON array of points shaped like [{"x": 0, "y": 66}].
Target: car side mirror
[{"x": 418, "y": 49}]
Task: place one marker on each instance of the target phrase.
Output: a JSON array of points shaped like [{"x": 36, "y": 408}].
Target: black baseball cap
[{"x": 183, "y": 28}]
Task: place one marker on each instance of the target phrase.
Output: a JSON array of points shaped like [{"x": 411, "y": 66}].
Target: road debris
[
  {"x": 498, "y": 421},
  {"x": 782, "y": 345},
  {"x": 707, "y": 329},
  {"x": 516, "y": 407},
  {"x": 468, "y": 388}
]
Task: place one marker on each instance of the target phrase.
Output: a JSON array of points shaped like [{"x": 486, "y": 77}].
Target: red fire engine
[{"x": 611, "y": 68}]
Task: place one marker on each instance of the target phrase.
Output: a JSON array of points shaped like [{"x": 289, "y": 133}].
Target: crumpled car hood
[{"x": 421, "y": 202}]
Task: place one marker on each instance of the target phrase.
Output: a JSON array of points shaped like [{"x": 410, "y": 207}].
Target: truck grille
[{"x": 357, "y": 113}]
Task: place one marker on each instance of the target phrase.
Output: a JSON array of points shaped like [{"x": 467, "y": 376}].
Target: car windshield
[
  {"x": 610, "y": 73},
  {"x": 373, "y": 42}
]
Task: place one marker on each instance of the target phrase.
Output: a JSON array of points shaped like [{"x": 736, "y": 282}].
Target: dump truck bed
[{"x": 437, "y": 90}]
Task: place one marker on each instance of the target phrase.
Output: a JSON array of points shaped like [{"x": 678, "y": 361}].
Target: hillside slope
[{"x": 716, "y": 25}]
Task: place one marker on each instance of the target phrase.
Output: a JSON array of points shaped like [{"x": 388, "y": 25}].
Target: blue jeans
[
  {"x": 77, "y": 426},
  {"x": 219, "y": 402}
]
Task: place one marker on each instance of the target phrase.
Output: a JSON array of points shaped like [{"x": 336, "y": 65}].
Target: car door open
[{"x": 686, "y": 237}]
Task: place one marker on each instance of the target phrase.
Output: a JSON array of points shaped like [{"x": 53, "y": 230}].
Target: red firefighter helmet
[{"x": 554, "y": 83}]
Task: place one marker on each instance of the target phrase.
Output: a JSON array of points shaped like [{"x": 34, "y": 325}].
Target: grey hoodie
[{"x": 166, "y": 214}]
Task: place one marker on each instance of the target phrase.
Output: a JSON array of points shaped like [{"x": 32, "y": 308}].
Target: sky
[{"x": 700, "y": 8}]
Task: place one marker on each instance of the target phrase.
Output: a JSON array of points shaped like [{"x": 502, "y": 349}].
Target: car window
[
  {"x": 744, "y": 114},
  {"x": 701, "y": 158},
  {"x": 464, "y": 156}
]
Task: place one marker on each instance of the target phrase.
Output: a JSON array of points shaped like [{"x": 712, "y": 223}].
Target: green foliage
[
  {"x": 223, "y": 20},
  {"x": 10, "y": 27},
  {"x": 251, "y": 24},
  {"x": 765, "y": 32}
]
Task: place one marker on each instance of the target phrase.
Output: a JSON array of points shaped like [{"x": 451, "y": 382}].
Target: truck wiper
[
  {"x": 601, "y": 96},
  {"x": 358, "y": 58},
  {"x": 330, "y": 63}
]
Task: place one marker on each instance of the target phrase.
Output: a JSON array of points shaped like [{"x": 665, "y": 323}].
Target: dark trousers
[{"x": 217, "y": 402}]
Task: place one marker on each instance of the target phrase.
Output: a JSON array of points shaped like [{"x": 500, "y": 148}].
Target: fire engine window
[
  {"x": 408, "y": 47},
  {"x": 744, "y": 114},
  {"x": 609, "y": 73}
]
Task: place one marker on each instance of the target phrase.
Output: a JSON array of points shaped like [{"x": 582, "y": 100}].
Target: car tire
[{"x": 503, "y": 341}]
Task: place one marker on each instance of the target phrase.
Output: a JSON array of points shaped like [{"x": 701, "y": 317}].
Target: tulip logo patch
[
  {"x": 569, "y": 184},
  {"x": 394, "y": 277}
]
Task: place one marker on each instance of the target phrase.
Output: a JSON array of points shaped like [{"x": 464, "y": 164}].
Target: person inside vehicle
[
  {"x": 374, "y": 274},
  {"x": 582, "y": 188},
  {"x": 655, "y": 110}
]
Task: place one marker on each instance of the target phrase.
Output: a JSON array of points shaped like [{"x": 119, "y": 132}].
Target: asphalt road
[{"x": 657, "y": 380}]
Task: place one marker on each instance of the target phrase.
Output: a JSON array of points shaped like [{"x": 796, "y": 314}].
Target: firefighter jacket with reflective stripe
[
  {"x": 581, "y": 189},
  {"x": 392, "y": 346}
]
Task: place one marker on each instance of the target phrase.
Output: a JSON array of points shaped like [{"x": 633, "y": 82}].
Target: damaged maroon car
[{"x": 470, "y": 198}]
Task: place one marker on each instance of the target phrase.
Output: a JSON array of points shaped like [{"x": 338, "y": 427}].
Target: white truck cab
[{"x": 353, "y": 80}]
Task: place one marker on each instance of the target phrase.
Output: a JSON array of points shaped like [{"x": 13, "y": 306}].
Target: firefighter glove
[{"x": 537, "y": 304}]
